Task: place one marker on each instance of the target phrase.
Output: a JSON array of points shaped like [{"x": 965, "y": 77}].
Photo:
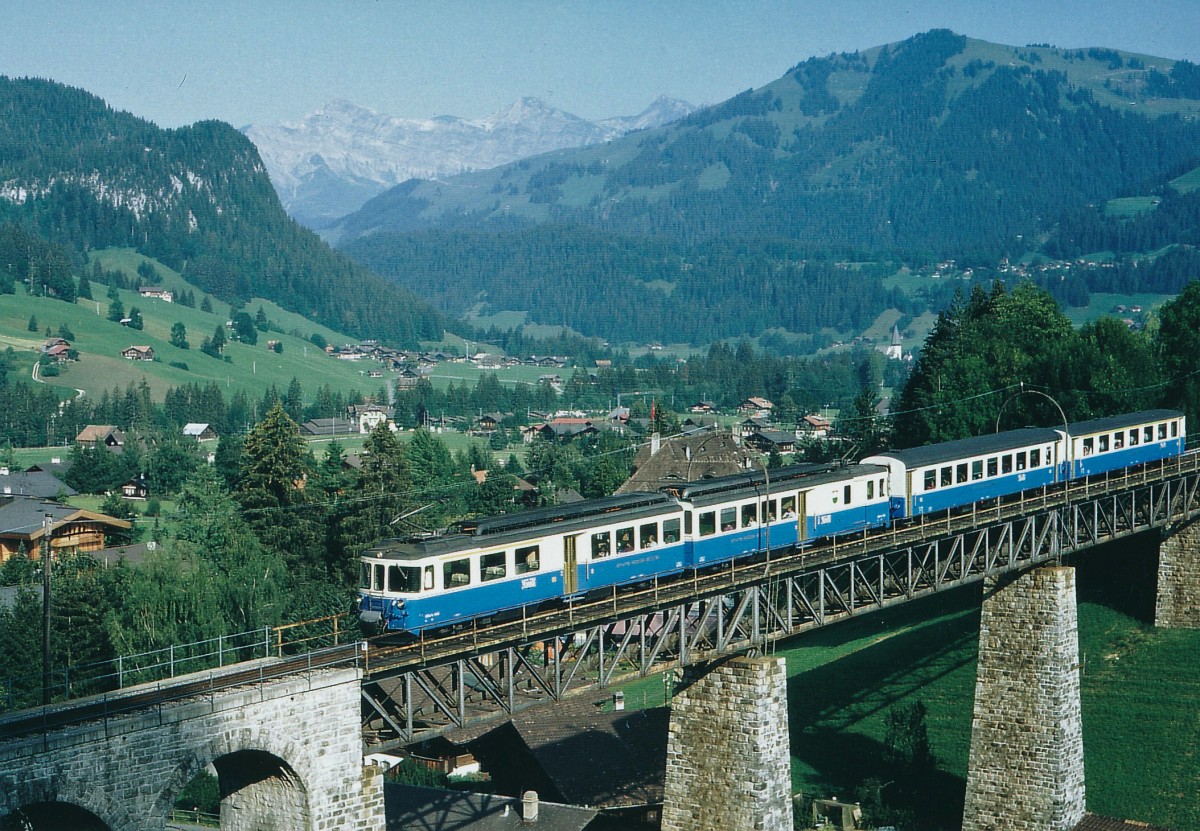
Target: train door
[
  {"x": 570, "y": 560},
  {"x": 802, "y": 517}
]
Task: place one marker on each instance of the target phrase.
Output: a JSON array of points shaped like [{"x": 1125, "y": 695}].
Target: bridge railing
[{"x": 70, "y": 682}]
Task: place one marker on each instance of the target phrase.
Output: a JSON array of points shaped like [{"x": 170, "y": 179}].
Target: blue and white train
[{"x": 501, "y": 564}]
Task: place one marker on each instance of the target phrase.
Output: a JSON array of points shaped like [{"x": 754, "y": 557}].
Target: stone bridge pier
[
  {"x": 1177, "y": 604},
  {"x": 1025, "y": 770},
  {"x": 288, "y": 754},
  {"x": 728, "y": 754}
]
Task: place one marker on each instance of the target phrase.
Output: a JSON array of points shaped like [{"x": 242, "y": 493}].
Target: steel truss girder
[{"x": 744, "y": 608}]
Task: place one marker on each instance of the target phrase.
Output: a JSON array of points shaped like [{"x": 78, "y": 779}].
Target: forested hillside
[
  {"x": 196, "y": 198},
  {"x": 937, "y": 148}
]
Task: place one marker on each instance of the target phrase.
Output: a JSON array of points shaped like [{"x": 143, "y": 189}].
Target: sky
[{"x": 254, "y": 61}]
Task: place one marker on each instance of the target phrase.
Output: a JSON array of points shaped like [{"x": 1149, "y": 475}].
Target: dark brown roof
[
  {"x": 603, "y": 759},
  {"x": 685, "y": 459},
  {"x": 1095, "y": 822}
]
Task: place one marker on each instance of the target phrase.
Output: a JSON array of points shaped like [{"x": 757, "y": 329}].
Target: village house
[
  {"x": 703, "y": 408},
  {"x": 34, "y": 483},
  {"x": 672, "y": 461},
  {"x": 329, "y": 427},
  {"x": 199, "y": 432},
  {"x": 101, "y": 435},
  {"x": 368, "y": 416},
  {"x": 138, "y": 353},
  {"x": 136, "y": 488},
  {"x": 754, "y": 425},
  {"x": 756, "y": 406},
  {"x": 767, "y": 440},
  {"x": 22, "y": 527},
  {"x": 815, "y": 426},
  {"x": 156, "y": 293}
]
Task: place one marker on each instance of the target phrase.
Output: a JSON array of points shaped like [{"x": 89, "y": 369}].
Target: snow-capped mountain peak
[{"x": 342, "y": 154}]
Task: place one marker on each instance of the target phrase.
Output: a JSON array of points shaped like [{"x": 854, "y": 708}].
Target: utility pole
[{"x": 47, "y": 520}]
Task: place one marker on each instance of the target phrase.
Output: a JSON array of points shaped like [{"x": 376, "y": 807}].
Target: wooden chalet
[{"x": 22, "y": 527}]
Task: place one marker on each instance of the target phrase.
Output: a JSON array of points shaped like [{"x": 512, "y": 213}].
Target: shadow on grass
[
  {"x": 1121, "y": 575},
  {"x": 826, "y": 704}
]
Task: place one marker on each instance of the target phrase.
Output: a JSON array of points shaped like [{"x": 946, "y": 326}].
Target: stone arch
[
  {"x": 51, "y": 815},
  {"x": 260, "y": 791}
]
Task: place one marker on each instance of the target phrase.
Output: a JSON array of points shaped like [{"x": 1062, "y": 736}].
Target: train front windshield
[{"x": 380, "y": 577}]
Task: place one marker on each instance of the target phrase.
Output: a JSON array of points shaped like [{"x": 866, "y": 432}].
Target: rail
[
  {"x": 154, "y": 696},
  {"x": 79, "y": 680}
]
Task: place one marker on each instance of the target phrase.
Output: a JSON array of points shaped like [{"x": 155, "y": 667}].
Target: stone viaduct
[{"x": 288, "y": 754}]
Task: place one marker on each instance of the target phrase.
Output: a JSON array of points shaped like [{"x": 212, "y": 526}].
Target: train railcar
[
  {"x": 1115, "y": 442},
  {"x": 735, "y": 516},
  {"x": 506, "y": 562},
  {"x": 956, "y": 473}
]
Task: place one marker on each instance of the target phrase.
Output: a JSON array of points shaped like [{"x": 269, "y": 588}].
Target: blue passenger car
[
  {"x": 1116, "y": 442},
  {"x": 956, "y": 473}
]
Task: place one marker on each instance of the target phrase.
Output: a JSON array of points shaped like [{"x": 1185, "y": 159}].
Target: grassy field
[{"x": 1140, "y": 698}]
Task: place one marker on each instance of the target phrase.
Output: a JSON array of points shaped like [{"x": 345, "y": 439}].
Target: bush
[{"x": 180, "y": 365}]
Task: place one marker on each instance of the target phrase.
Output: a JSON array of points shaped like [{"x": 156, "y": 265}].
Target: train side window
[
  {"x": 788, "y": 506},
  {"x": 671, "y": 530},
  {"x": 882, "y": 488},
  {"x": 977, "y": 469},
  {"x": 1103, "y": 444},
  {"x": 364, "y": 575},
  {"x": 930, "y": 479},
  {"x": 1118, "y": 440},
  {"x": 749, "y": 515},
  {"x": 960, "y": 473},
  {"x": 1147, "y": 434},
  {"x": 456, "y": 573},
  {"x": 1006, "y": 463},
  {"x": 1035, "y": 457},
  {"x": 1020, "y": 460},
  {"x": 379, "y": 577},
  {"x": 1133, "y": 437},
  {"x": 991, "y": 470},
  {"x": 528, "y": 559},
  {"x": 492, "y": 566},
  {"x": 601, "y": 545},
  {"x": 624, "y": 540},
  {"x": 687, "y": 522},
  {"x": 648, "y": 535},
  {"x": 846, "y": 494},
  {"x": 429, "y": 573},
  {"x": 1162, "y": 430},
  {"x": 769, "y": 510},
  {"x": 729, "y": 519},
  {"x": 870, "y": 489},
  {"x": 708, "y": 523},
  {"x": 947, "y": 477},
  {"x": 1174, "y": 429},
  {"x": 1089, "y": 445}
]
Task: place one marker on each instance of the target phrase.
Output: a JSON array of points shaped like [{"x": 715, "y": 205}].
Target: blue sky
[{"x": 252, "y": 61}]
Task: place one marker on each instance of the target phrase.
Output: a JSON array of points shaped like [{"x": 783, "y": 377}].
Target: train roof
[
  {"x": 749, "y": 480},
  {"x": 798, "y": 477},
  {"x": 948, "y": 451},
  {"x": 510, "y": 529},
  {"x": 1118, "y": 422}
]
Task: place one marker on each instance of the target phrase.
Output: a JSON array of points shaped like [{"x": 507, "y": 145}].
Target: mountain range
[
  {"x": 782, "y": 208},
  {"x": 339, "y": 156}
]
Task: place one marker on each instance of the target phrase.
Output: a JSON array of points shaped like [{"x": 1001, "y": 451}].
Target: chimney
[
  {"x": 654, "y": 443},
  {"x": 529, "y": 808}
]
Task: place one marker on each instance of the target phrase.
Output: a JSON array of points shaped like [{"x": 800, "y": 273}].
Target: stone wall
[
  {"x": 728, "y": 754},
  {"x": 288, "y": 754},
  {"x": 1026, "y": 761},
  {"x": 1177, "y": 603}
]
